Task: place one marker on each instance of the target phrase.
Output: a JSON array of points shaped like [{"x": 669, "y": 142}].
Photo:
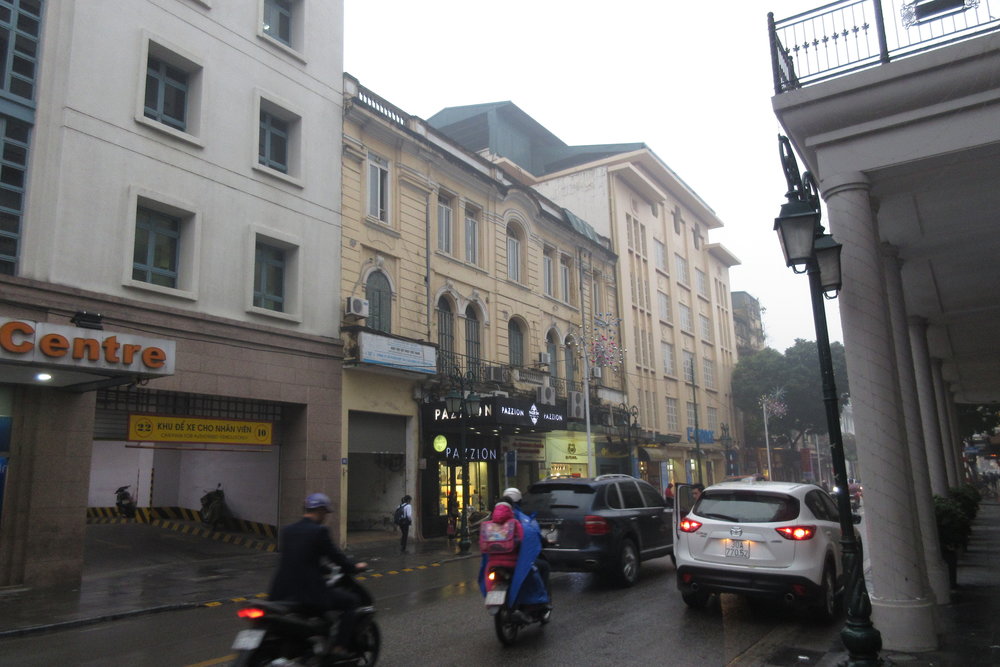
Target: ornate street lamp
[
  {"x": 817, "y": 254},
  {"x": 630, "y": 419},
  {"x": 458, "y": 402}
]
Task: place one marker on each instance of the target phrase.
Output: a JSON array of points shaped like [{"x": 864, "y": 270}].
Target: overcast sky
[{"x": 692, "y": 80}]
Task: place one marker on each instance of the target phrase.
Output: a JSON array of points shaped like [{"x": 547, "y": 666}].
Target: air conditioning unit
[
  {"x": 544, "y": 358},
  {"x": 356, "y": 307},
  {"x": 498, "y": 374},
  {"x": 545, "y": 395},
  {"x": 576, "y": 410},
  {"x": 595, "y": 372}
]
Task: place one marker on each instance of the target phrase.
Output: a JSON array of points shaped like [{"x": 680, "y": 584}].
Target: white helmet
[{"x": 513, "y": 494}]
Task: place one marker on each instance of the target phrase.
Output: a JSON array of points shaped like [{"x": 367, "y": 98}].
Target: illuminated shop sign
[
  {"x": 106, "y": 352},
  {"x": 498, "y": 410}
]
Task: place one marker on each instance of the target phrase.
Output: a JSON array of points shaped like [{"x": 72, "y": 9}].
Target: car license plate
[
  {"x": 738, "y": 549},
  {"x": 496, "y": 597},
  {"x": 248, "y": 640}
]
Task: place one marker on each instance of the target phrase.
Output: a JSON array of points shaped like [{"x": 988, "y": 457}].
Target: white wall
[{"x": 181, "y": 478}]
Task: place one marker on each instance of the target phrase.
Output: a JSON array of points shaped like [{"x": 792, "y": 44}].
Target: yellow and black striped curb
[
  {"x": 249, "y": 534},
  {"x": 151, "y": 514},
  {"x": 360, "y": 577}
]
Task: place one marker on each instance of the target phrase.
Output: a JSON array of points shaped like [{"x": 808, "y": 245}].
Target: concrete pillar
[
  {"x": 902, "y": 603},
  {"x": 936, "y": 459},
  {"x": 45, "y": 506},
  {"x": 937, "y": 571}
]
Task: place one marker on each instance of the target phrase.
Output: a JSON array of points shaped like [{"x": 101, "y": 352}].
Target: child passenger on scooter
[{"x": 502, "y": 514}]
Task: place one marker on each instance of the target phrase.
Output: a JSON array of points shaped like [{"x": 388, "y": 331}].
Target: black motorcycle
[
  {"x": 282, "y": 634},
  {"x": 124, "y": 502},
  {"x": 509, "y": 618},
  {"x": 214, "y": 511}
]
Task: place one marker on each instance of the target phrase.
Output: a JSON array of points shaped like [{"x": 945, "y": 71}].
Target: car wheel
[
  {"x": 628, "y": 564},
  {"x": 826, "y": 606},
  {"x": 696, "y": 599}
]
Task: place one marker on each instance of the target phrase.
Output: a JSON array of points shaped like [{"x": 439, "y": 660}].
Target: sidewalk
[
  {"x": 970, "y": 623},
  {"x": 132, "y": 569}
]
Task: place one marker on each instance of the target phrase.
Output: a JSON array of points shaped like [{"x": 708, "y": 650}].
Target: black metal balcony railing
[
  {"x": 849, "y": 35},
  {"x": 484, "y": 373}
]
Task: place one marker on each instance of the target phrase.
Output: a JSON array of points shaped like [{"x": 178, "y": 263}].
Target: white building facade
[{"x": 177, "y": 183}]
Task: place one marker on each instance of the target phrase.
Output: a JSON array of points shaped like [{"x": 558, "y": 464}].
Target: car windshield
[
  {"x": 747, "y": 506},
  {"x": 557, "y": 496}
]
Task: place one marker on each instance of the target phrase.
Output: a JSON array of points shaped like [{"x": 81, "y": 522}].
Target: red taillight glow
[
  {"x": 596, "y": 525},
  {"x": 797, "y": 533},
  {"x": 492, "y": 575},
  {"x": 250, "y": 612},
  {"x": 689, "y": 525}
]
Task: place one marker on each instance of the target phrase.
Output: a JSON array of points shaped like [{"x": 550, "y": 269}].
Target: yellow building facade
[{"x": 457, "y": 277}]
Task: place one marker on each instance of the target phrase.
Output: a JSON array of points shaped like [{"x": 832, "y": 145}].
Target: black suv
[{"x": 608, "y": 524}]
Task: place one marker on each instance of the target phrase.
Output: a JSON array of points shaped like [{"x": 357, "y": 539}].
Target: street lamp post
[
  {"x": 630, "y": 415},
  {"x": 690, "y": 371},
  {"x": 807, "y": 249},
  {"x": 727, "y": 442},
  {"x": 457, "y": 402}
]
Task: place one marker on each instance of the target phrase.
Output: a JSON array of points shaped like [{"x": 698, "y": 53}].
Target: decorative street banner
[{"x": 160, "y": 428}]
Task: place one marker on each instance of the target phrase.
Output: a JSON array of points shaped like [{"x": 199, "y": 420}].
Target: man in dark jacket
[{"x": 306, "y": 548}]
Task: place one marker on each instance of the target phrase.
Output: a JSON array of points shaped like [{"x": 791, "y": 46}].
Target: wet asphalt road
[{"x": 436, "y": 617}]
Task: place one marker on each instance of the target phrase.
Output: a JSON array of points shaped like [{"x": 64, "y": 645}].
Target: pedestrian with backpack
[{"x": 403, "y": 517}]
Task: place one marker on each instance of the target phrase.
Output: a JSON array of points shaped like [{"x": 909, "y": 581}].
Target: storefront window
[{"x": 450, "y": 479}]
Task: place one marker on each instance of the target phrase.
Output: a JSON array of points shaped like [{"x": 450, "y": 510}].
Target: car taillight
[
  {"x": 689, "y": 525},
  {"x": 596, "y": 525},
  {"x": 250, "y": 612},
  {"x": 797, "y": 533},
  {"x": 492, "y": 575}
]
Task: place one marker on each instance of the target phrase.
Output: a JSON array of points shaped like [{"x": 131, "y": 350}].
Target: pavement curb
[{"x": 78, "y": 622}]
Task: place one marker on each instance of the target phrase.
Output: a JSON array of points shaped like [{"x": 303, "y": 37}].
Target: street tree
[{"x": 796, "y": 374}]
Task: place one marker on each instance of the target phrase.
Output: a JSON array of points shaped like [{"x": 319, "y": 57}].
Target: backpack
[
  {"x": 399, "y": 517},
  {"x": 497, "y": 538}
]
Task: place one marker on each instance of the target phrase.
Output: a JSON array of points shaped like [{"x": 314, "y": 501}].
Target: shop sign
[
  {"x": 160, "y": 428},
  {"x": 472, "y": 453},
  {"x": 405, "y": 355},
  {"x": 705, "y": 436},
  {"x": 84, "y": 349},
  {"x": 566, "y": 451},
  {"x": 529, "y": 450}
]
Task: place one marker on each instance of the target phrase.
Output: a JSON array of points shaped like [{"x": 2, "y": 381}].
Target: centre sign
[{"x": 97, "y": 351}]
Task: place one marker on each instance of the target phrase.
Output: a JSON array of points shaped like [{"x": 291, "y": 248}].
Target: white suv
[{"x": 761, "y": 539}]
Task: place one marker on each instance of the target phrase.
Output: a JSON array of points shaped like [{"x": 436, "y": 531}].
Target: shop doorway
[{"x": 376, "y": 470}]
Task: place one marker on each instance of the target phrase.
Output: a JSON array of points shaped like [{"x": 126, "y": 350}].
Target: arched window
[
  {"x": 379, "y": 296},
  {"x": 552, "y": 348},
  {"x": 569, "y": 353},
  {"x": 472, "y": 345},
  {"x": 446, "y": 335},
  {"x": 515, "y": 342},
  {"x": 513, "y": 253}
]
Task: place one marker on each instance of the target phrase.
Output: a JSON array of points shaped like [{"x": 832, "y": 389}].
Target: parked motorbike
[
  {"x": 281, "y": 634},
  {"x": 124, "y": 502},
  {"x": 509, "y": 617},
  {"x": 214, "y": 511}
]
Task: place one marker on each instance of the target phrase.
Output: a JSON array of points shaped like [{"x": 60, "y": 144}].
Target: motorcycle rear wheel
[
  {"x": 367, "y": 644},
  {"x": 505, "y": 626}
]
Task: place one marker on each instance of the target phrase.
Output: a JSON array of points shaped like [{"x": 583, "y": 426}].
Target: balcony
[{"x": 851, "y": 35}]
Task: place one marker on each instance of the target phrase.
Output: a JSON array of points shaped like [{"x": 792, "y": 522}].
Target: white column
[
  {"x": 937, "y": 459},
  {"x": 937, "y": 571},
  {"x": 902, "y": 603},
  {"x": 952, "y": 455}
]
